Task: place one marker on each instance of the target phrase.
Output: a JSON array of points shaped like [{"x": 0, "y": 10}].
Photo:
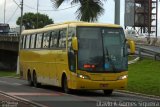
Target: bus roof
[
  {"x": 81, "y": 23},
  {"x": 66, "y": 24}
]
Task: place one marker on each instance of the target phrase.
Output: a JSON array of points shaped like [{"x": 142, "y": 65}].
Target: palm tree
[{"x": 89, "y": 10}]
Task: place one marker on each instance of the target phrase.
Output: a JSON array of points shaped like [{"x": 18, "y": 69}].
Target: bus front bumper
[{"x": 100, "y": 85}]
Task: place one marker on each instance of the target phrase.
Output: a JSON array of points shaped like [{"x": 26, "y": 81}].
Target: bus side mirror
[
  {"x": 75, "y": 43},
  {"x": 131, "y": 44}
]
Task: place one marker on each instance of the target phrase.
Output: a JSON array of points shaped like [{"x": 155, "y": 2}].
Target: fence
[{"x": 151, "y": 50}]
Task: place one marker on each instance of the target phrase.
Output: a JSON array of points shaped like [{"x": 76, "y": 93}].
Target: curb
[
  {"x": 133, "y": 61},
  {"x": 22, "y": 100},
  {"x": 139, "y": 94}
]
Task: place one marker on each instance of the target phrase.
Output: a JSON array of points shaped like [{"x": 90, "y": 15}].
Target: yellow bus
[{"x": 75, "y": 56}]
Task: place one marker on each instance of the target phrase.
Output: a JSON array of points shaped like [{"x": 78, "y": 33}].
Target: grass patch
[
  {"x": 131, "y": 57},
  {"x": 8, "y": 73},
  {"x": 144, "y": 77}
]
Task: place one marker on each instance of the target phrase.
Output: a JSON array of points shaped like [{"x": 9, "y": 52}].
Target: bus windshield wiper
[
  {"x": 124, "y": 45},
  {"x": 110, "y": 60}
]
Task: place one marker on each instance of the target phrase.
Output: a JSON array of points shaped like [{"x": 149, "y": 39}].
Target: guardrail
[
  {"x": 9, "y": 38},
  {"x": 151, "y": 50},
  {"x": 146, "y": 41}
]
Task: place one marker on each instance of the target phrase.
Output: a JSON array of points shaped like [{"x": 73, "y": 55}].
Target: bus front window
[
  {"x": 115, "y": 49},
  {"x": 101, "y": 49}
]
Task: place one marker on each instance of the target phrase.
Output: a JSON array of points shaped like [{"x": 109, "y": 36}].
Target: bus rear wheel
[
  {"x": 35, "y": 83},
  {"x": 65, "y": 85},
  {"x": 108, "y": 92},
  {"x": 30, "y": 82}
]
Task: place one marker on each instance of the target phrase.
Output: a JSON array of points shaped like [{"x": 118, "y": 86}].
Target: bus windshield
[{"x": 102, "y": 49}]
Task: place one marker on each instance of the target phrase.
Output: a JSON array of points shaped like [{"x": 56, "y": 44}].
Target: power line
[
  {"x": 4, "y": 11},
  {"x": 61, "y": 9},
  {"x": 12, "y": 14},
  {"x": 45, "y": 5},
  {"x": 16, "y": 3},
  {"x": 30, "y": 7},
  {"x": 52, "y": 9}
]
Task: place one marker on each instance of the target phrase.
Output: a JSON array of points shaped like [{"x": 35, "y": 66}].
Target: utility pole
[
  {"x": 37, "y": 12},
  {"x": 21, "y": 24},
  {"x": 117, "y": 12},
  {"x": 4, "y": 11}
]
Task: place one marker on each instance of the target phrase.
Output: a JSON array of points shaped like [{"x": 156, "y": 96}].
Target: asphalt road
[{"x": 49, "y": 96}]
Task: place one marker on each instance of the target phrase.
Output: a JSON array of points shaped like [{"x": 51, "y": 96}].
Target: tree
[
  {"x": 89, "y": 10},
  {"x": 30, "y": 20}
]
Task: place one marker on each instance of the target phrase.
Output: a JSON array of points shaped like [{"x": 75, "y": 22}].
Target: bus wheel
[
  {"x": 65, "y": 85},
  {"x": 108, "y": 92},
  {"x": 30, "y": 82},
  {"x": 35, "y": 83}
]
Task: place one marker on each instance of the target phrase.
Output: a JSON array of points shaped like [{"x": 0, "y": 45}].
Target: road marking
[
  {"x": 81, "y": 97},
  {"x": 137, "y": 95},
  {"x": 4, "y": 82},
  {"x": 22, "y": 100},
  {"x": 32, "y": 94},
  {"x": 16, "y": 84},
  {"x": 8, "y": 83}
]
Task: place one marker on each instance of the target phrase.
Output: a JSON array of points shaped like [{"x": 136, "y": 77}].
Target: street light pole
[
  {"x": 37, "y": 13},
  {"x": 20, "y": 32},
  {"x": 4, "y": 11},
  {"x": 21, "y": 24},
  {"x": 117, "y": 12}
]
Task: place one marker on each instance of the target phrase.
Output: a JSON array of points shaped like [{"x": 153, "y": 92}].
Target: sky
[{"x": 66, "y": 12}]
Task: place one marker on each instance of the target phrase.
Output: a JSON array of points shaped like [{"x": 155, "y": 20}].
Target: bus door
[
  {"x": 71, "y": 56},
  {"x": 53, "y": 57},
  {"x": 61, "y": 58}
]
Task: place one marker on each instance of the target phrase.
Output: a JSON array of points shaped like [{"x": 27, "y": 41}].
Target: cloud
[
  {"x": 59, "y": 16},
  {"x": 108, "y": 16},
  {"x": 10, "y": 8},
  {"x": 62, "y": 15}
]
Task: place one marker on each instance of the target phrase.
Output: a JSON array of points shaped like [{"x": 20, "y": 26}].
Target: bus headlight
[
  {"x": 83, "y": 76},
  {"x": 122, "y": 77}
]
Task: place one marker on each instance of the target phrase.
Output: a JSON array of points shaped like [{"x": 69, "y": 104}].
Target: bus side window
[
  {"x": 39, "y": 40},
  {"x": 21, "y": 42},
  {"x": 46, "y": 39},
  {"x": 53, "y": 39},
  {"x": 27, "y": 42},
  {"x": 71, "y": 33},
  {"x": 71, "y": 54},
  {"x": 33, "y": 41},
  {"x": 24, "y": 41},
  {"x": 62, "y": 38}
]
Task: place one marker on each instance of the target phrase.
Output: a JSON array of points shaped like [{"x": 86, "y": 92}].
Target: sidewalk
[{"x": 8, "y": 101}]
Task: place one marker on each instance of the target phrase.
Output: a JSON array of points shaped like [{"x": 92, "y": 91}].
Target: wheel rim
[
  {"x": 65, "y": 86},
  {"x": 35, "y": 80},
  {"x": 29, "y": 79}
]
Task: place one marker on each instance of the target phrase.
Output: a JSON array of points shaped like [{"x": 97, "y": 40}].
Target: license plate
[{"x": 103, "y": 85}]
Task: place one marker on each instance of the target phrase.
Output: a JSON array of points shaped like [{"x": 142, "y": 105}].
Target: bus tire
[
  {"x": 65, "y": 85},
  {"x": 35, "y": 82},
  {"x": 29, "y": 77},
  {"x": 108, "y": 92}
]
